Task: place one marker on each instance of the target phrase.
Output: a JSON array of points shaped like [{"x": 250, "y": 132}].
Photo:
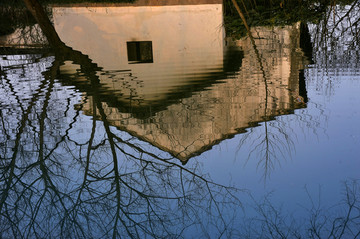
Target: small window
[{"x": 139, "y": 52}]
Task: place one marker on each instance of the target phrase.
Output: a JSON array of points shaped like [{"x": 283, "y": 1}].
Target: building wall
[{"x": 186, "y": 40}]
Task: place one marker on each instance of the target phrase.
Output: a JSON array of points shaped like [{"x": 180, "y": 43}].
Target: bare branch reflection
[
  {"x": 319, "y": 221},
  {"x": 274, "y": 140},
  {"x": 61, "y": 181},
  {"x": 330, "y": 45},
  {"x": 65, "y": 174},
  {"x": 87, "y": 179},
  {"x": 336, "y": 45}
]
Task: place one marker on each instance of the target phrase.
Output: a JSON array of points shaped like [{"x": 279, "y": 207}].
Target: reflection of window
[{"x": 140, "y": 52}]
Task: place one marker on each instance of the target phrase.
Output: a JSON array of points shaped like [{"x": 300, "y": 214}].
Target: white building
[{"x": 166, "y": 76}]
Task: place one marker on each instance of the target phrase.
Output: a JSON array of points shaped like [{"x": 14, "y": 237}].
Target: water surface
[{"x": 153, "y": 126}]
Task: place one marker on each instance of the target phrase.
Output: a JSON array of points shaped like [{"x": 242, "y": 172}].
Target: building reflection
[{"x": 181, "y": 86}]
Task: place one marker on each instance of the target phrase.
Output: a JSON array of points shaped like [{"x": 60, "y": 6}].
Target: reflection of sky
[
  {"x": 325, "y": 136},
  {"x": 317, "y": 148},
  {"x": 326, "y": 140}
]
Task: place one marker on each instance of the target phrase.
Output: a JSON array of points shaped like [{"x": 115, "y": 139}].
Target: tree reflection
[
  {"x": 57, "y": 184},
  {"x": 274, "y": 142},
  {"x": 65, "y": 175},
  {"x": 338, "y": 221},
  {"x": 66, "y": 179},
  {"x": 336, "y": 41}
]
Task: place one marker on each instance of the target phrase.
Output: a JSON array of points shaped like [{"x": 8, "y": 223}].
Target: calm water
[{"x": 153, "y": 126}]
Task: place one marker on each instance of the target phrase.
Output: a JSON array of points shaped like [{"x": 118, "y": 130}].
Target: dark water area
[{"x": 144, "y": 124}]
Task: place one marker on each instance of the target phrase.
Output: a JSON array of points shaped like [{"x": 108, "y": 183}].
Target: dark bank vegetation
[
  {"x": 275, "y": 13},
  {"x": 13, "y": 13}
]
